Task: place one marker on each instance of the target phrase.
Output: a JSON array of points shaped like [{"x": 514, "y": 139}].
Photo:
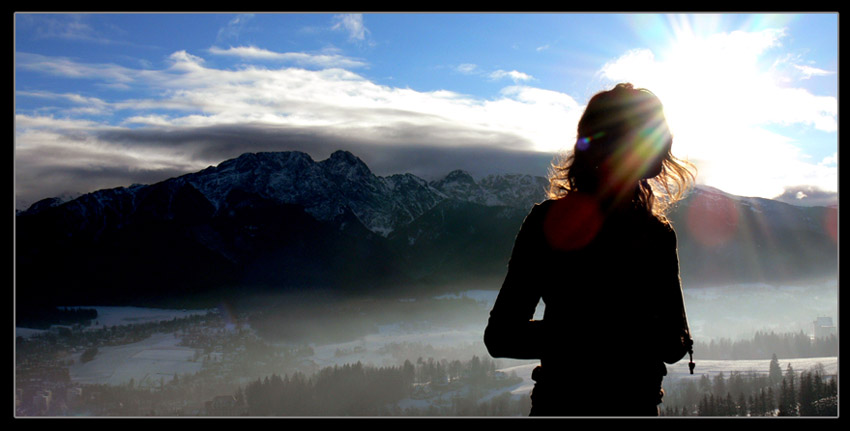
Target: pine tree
[
  {"x": 792, "y": 394},
  {"x": 742, "y": 405},
  {"x": 763, "y": 406},
  {"x": 817, "y": 385},
  {"x": 705, "y": 384},
  {"x": 775, "y": 371},
  {"x": 806, "y": 394},
  {"x": 770, "y": 403},
  {"x": 832, "y": 387},
  {"x": 719, "y": 385},
  {"x": 784, "y": 401}
]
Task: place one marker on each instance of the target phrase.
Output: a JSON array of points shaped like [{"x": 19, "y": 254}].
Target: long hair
[{"x": 624, "y": 131}]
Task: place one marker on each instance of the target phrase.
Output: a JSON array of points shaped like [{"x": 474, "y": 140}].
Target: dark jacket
[{"x": 614, "y": 307}]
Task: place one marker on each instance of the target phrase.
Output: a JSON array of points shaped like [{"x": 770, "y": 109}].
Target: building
[
  {"x": 41, "y": 401},
  {"x": 823, "y": 327},
  {"x": 74, "y": 395}
]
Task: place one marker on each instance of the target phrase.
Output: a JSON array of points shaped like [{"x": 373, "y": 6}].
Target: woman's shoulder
[
  {"x": 665, "y": 231},
  {"x": 567, "y": 206}
]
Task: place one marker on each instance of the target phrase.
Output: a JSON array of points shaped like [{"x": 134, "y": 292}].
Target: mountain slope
[{"x": 271, "y": 221}]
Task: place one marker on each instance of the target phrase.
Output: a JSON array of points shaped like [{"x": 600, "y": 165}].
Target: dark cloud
[
  {"x": 808, "y": 196},
  {"x": 387, "y": 151},
  {"x": 397, "y": 149}
]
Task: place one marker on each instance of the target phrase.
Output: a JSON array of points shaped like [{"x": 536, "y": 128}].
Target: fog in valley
[{"x": 182, "y": 361}]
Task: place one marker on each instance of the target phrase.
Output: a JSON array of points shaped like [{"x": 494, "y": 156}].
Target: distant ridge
[{"x": 280, "y": 220}]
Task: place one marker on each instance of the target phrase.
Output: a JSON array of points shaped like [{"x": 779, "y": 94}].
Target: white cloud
[
  {"x": 300, "y": 58},
  {"x": 467, "y": 68},
  {"x": 718, "y": 111},
  {"x": 516, "y": 76},
  {"x": 68, "y": 68},
  {"x": 809, "y": 71},
  {"x": 87, "y": 105},
  {"x": 59, "y": 26},
  {"x": 190, "y": 95},
  {"x": 351, "y": 23},
  {"x": 234, "y": 27}
]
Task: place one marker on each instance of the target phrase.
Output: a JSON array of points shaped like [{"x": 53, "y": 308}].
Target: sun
[{"x": 716, "y": 76}]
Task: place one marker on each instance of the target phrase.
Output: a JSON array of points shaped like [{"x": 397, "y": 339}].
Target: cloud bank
[
  {"x": 193, "y": 113},
  {"x": 196, "y": 115}
]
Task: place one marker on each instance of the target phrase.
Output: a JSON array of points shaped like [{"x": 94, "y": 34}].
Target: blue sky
[{"x": 108, "y": 100}]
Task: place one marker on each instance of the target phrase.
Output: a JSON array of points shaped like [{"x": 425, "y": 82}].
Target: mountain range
[{"x": 282, "y": 221}]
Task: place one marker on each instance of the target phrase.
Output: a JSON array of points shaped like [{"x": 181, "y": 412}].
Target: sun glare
[{"x": 723, "y": 82}]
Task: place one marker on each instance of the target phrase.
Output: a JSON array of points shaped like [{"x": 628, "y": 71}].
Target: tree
[
  {"x": 807, "y": 397},
  {"x": 817, "y": 383},
  {"x": 742, "y": 409},
  {"x": 729, "y": 406},
  {"x": 770, "y": 403},
  {"x": 775, "y": 373},
  {"x": 784, "y": 399},
  {"x": 719, "y": 385},
  {"x": 792, "y": 395},
  {"x": 705, "y": 384}
]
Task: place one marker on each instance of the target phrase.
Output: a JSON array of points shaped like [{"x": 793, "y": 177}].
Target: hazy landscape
[
  {"x": 779, "y": 309},
  {"x": 311, "y": 214},
  {"x": 220, "y": 292},
  {"x": 445, "y": 328}
]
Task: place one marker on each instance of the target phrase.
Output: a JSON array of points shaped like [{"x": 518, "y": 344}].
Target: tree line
[
  {"x": 807, "y": 393},
  {"x": 763, "y": 344},
  {"x": 364, "y": 390},
  {"x": 44, "y": 317}
]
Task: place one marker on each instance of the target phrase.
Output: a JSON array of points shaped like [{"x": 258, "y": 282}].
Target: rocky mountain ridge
[{"x": 284, "y": 221}]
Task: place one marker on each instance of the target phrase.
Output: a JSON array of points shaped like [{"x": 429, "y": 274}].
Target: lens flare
[
  {"x": 572, "y": 222},
  {"x": 830, "y": 224},
  {"x": 712, "y": 219}
]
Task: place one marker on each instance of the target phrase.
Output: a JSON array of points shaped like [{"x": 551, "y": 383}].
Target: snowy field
[
  {"x": 730, "y": 312},
  {"x": 368, "y": 349},
  {"x": 146, "y": 362},
  {"x": 713, "y": 367},
  {"x": 736, "y": 312},
  {"x": 159, "y": 357}
]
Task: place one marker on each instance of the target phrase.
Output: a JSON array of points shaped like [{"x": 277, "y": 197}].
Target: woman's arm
[
  {"x": 511, "y": 332},
  {"x": 676, "y": 332}
]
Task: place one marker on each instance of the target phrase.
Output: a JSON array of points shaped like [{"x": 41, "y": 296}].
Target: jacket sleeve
[
  {"x": 673, "y": 320},
  {"x": 511, "y": 332}
]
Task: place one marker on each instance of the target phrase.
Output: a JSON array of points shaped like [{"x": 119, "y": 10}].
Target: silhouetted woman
[{"x": 603, "y": 258}]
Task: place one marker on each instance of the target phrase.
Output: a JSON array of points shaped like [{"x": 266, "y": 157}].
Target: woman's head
[{"x": 623, "y": 150}]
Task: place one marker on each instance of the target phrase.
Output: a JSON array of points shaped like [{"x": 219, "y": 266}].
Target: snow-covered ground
[
  {"x": 736, "y": 312},
  {"x": 368, "y": 349},
  {"x": 714, "y": 367},
  {"x": 146, "y": 362},
  {"x": 730, "y": 312}
]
